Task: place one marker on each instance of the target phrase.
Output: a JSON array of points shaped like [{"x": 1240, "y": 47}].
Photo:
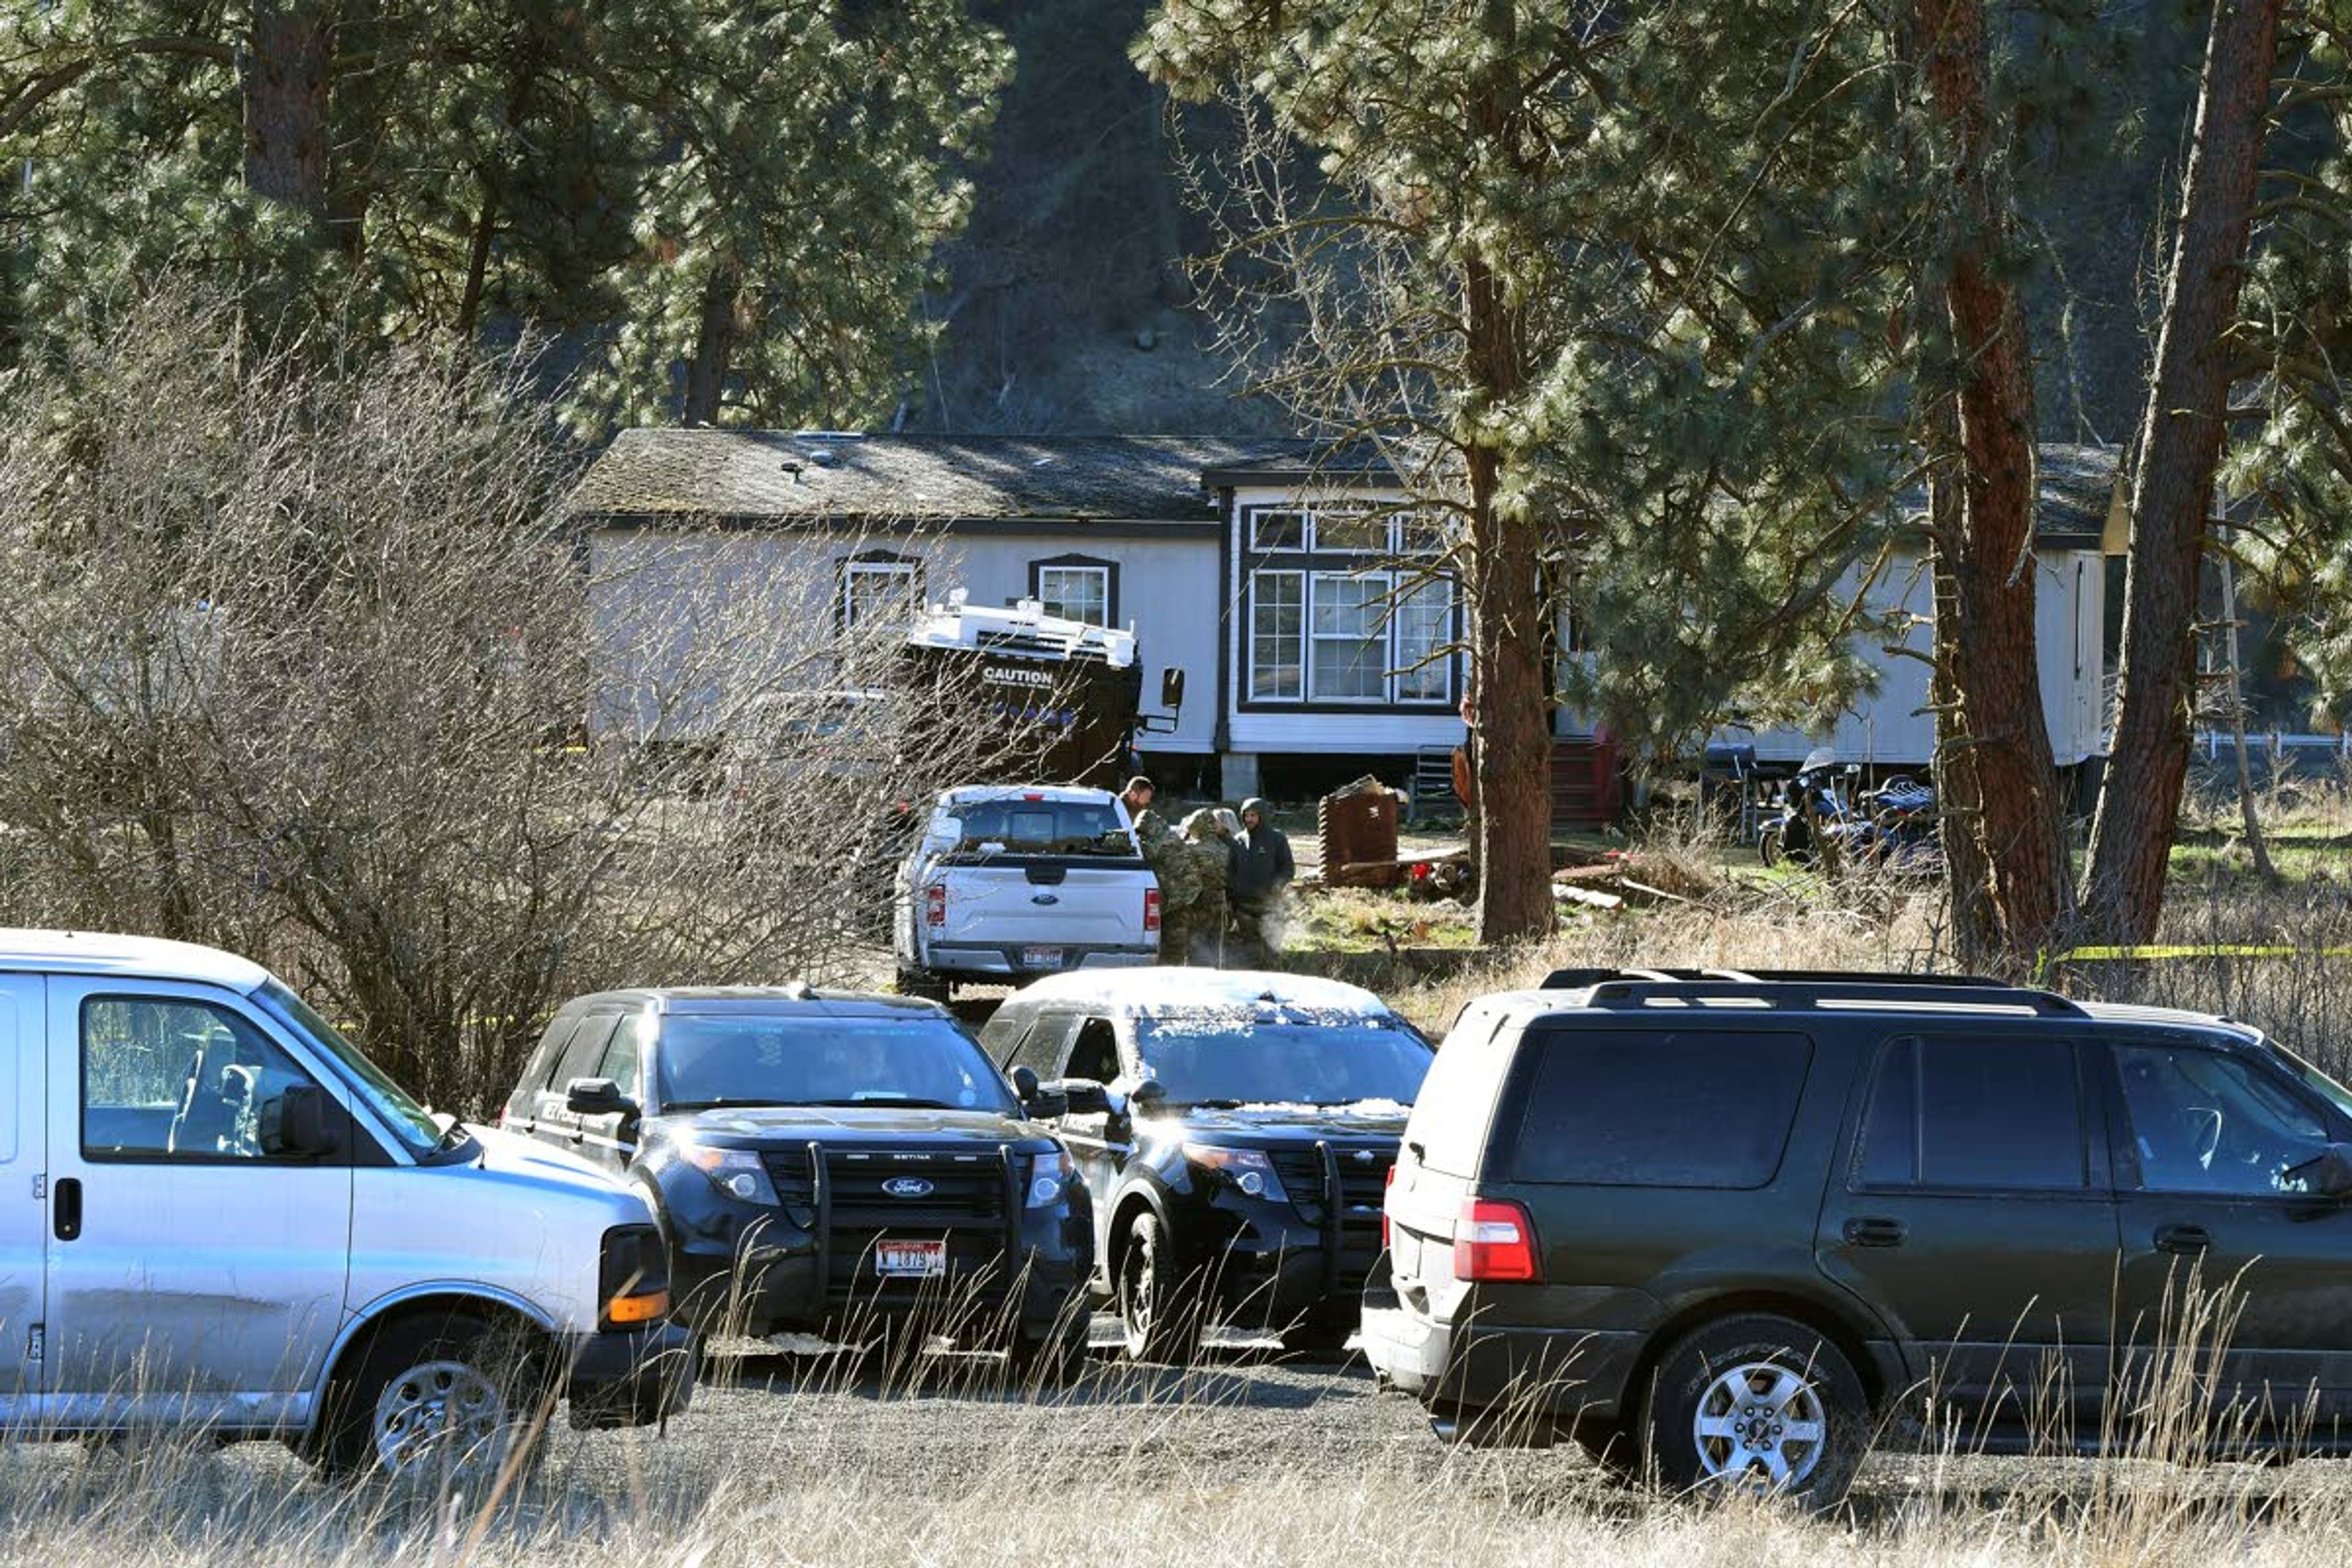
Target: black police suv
[
  {"x": 1235, "y": 1131},
  {"x": 1732, "y": 1225},
  {"x": 824, "y": 1161}
]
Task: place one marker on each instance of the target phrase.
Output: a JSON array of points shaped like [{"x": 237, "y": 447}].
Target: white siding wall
[
  {"x": 1892, "y": 727},
  {"x": 1167, "y": 591}
]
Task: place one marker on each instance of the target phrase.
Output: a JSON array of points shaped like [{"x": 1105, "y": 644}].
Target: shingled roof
[{"x": 784, "y": 476}]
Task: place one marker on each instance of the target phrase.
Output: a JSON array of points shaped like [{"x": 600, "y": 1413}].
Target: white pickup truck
[{"x": 1012, "y": 882}]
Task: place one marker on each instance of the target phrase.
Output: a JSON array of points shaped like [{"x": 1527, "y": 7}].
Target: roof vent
[
  {"x": 793, "y": 467},
  {"x": 821, "y": 455}
]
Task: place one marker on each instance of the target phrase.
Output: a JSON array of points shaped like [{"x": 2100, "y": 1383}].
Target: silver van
[{"x": 239, "y": 1223}]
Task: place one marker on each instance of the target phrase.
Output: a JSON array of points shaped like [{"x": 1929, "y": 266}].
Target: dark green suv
[{"x": 1736, "y": 1224}]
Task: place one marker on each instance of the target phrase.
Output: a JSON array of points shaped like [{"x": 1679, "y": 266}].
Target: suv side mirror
[
  {"x": 1036, "y": 1099},
  {"x": 1079, "y": 1096},
  {"x": 1171, "y": 688},
  {"x": 300, "y": 1122},
  {"x": 595, "y": 1096},
  {"x": 2331, "y": 1173}
]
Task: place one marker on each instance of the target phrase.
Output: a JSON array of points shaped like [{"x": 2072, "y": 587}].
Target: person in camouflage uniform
[
  {"x": 1208, "y": 839},
  {"x": 1170, "y": 860}
]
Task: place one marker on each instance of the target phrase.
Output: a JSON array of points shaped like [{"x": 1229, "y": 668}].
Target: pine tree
[
  {"x": 1612, "y": 292},
  {"x": 466, "y": 169}
]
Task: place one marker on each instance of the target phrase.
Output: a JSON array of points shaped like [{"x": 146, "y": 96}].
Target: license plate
[
  {"x": 1041, "y": 958},
  {"x": 910, "y": 1259}
]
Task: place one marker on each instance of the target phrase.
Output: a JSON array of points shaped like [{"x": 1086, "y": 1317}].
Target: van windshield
[
  {"x": 398, "y": 1110},
  {"x": 1241, "y": 1057},
  {"x": 1042, "y": 827}
]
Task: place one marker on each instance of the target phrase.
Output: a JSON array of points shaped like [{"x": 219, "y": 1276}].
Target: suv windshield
[
  {"x": 400, "y": 1110},
  {"x": 1286, "y": 1059},
  {"x": 705, "y": 1060},
  {"x": 1042, "y": 827}
]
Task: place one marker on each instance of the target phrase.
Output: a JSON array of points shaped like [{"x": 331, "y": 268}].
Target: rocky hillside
[{"x": 1066, "y": 307}]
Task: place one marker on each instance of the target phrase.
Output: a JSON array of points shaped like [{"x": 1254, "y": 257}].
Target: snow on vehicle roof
[
  {"x": 145, "y": 957},
  {"x": 1188, "y": 990},
  {"x": 1060, "y": 794},
  {"x": 1023, "y": 630}
]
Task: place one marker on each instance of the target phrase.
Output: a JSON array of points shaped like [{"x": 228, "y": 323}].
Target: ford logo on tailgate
[{"x": 907, "y": 1187}]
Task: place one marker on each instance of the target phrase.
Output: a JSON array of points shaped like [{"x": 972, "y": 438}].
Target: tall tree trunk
[
  {"x": 1507, "y": 605},
  {"x": 714, "y": 345},
  {"x": 1987, "y": 580},
  {"x": 284, "y": 83},
  {"x": 2172, "y": 491},
  {"x": 1976, "y": 937}
]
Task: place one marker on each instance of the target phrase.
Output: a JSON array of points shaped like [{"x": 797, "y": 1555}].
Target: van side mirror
[
  {"x": 595, "y": 1096},
  {"x": 300, "y": 1122},
  {"x": 1171, "y": 688}
]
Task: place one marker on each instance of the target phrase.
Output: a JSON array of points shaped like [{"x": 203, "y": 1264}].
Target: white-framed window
[
  {"x": 1076, "y": 592},
  {"x": 1276, "y": 624},
  {"x": 1352, "y": 637},
  {"x": 1347, "y": 656},
  {"x": 1423, "y": 632},
  {"x": 1273, "y": 531},
  {"x": 880, "y": 588},
  {"x": 1351, "y": 534}
]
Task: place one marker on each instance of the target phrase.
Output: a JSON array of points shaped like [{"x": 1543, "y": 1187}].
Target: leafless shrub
[{"x": 306, "y": 663}]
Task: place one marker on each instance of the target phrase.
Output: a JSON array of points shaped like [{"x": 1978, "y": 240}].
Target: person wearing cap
[
  {"x": 1209, "y": 851},
  {"x": 1262, "y": 869}
]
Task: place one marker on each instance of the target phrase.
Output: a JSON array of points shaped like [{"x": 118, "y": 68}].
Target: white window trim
[
  {"x": 1405, "y": 587},
  {"x": 1101, "y": 574},
  {"x": 1250, "y": 635},
  {"x": 1394, "y": 586},
  {"x": 853, "y": 569},
  {"x": 1385, "y": 549},
  {"x": 1383, "y": 585},
  {"x": 1306, "y": 517}
]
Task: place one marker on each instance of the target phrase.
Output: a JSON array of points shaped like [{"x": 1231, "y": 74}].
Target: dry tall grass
[{"x": 1213, "y": 1468}]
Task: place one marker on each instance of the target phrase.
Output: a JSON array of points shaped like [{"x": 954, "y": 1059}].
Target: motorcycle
[
  {"x": 1811, "y": 803},
  {"x": 1895, "y": 827},
  {"x": 1904, "y": 828}
]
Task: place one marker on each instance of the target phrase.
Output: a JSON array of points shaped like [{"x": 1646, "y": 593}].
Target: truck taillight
[
  {"x": 1495, "y": 1241},
  {"x": 1151, "y": 908},
  {"x": 1388, "y": 1185},
  {"x": 935, "y": 904}
]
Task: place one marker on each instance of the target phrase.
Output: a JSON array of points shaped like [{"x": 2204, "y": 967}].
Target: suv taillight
[
  {"x": 935, "y": 904},
  {"x": 1495, "y": 1241},
  {"x": 1388, "y": 1185},
  {"x": 1151, "y": 908}
]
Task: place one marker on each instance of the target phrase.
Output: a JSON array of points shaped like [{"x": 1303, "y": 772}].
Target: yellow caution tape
[{"x": 2227, "y": 950}]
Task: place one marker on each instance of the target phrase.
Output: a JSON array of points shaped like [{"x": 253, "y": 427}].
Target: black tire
[
  {"x": 1322, "y": 1335},
  {"x": 436, "y": 1360},
  {"x": 1158, "y": 1312},
  {"x": 1793, "y": 1379},
  {"x": 1769, "y": 847}
]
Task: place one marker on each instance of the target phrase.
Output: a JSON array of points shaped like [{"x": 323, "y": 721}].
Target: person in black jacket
[{"x": 1262, "y": 869}]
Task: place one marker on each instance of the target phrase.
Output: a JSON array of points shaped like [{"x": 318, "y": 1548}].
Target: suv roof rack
[{"x": 1814, "y": 988}]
